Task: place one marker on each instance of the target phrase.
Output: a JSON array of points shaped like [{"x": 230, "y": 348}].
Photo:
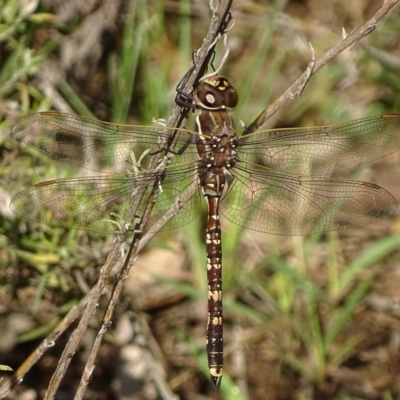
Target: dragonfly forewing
[
  {"x": 97, "y": 145},
  {"x": 323, "y": 150}
]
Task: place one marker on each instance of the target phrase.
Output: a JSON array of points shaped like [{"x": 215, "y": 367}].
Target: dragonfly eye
[{"x": 215, "y": 93}]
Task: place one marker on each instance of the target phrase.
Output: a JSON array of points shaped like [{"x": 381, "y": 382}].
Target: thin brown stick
[
  {"x": 48, "y": 342},
  {"x": 75, "y": 338},
  {"x": 296, "y": 88}
]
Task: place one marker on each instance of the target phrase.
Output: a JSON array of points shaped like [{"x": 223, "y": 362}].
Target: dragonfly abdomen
[{"x": 214, "y": 338}]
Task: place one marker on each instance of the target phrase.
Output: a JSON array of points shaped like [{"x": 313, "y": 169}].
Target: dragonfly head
[{"x": 215, "y": 93}]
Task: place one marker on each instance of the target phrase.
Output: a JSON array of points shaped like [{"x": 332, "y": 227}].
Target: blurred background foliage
[{"x": 306, "y": 318}]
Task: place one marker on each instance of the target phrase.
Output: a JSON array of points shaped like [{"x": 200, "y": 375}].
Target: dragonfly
[{"x": 279, "y": 181}]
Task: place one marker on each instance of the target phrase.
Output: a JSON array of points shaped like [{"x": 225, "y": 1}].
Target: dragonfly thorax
[{"x": 217, "y": 141}]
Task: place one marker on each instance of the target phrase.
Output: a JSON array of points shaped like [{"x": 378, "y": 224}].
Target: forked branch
[{"x": 296, "y": 88}]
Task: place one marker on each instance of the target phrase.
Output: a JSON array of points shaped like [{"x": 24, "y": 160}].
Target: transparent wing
[
  {"x": 99, "y": 203},
  {"x": 268, "y": 201},
  {"x": 264, "y": 196},
  {"x": 93, "y": 144},
  {"x": 323, "y": 150}
]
